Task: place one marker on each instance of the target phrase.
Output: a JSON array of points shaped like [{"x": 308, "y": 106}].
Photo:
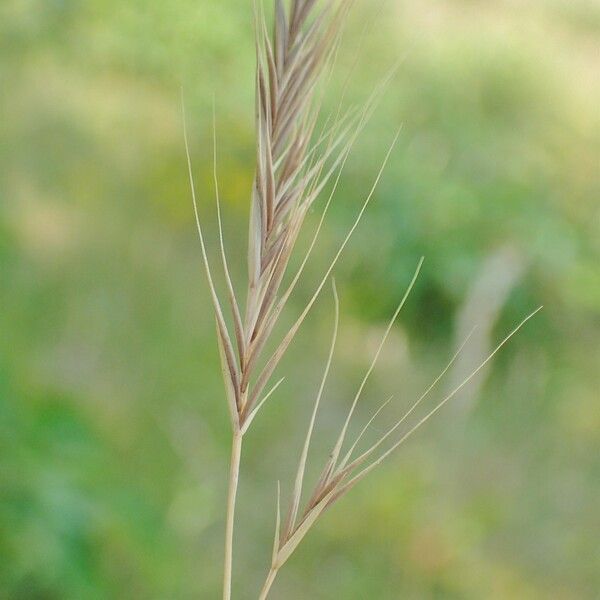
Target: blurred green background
[{"x": 113, "y": 428}]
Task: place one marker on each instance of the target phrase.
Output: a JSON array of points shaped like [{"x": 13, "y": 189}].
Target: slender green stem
[{"x": 234, "y": 472}]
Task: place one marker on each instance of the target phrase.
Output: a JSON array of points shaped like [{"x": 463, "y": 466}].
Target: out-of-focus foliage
[{"x": 113, "y": 427}]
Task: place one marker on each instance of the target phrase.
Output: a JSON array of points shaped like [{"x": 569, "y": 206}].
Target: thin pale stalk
[
  {"x": 268, "y": 584},
  {"x": 234, "y": 473}
]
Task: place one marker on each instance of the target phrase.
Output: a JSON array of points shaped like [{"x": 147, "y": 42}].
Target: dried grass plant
[{"x": 295, "y": 162}]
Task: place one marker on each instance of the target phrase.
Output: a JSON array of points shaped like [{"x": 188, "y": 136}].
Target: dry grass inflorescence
[{"x": 296, "y": 160}]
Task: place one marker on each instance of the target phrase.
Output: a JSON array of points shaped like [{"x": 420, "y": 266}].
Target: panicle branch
[{"x": 338, "y": 477}]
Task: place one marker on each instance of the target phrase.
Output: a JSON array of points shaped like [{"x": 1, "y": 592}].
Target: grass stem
[
  {"x": 268, "y": 583},
  {"x": 234, "y": 471}
]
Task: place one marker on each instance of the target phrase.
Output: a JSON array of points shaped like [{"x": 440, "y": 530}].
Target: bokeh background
[{"x": 114, "y": 435}]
